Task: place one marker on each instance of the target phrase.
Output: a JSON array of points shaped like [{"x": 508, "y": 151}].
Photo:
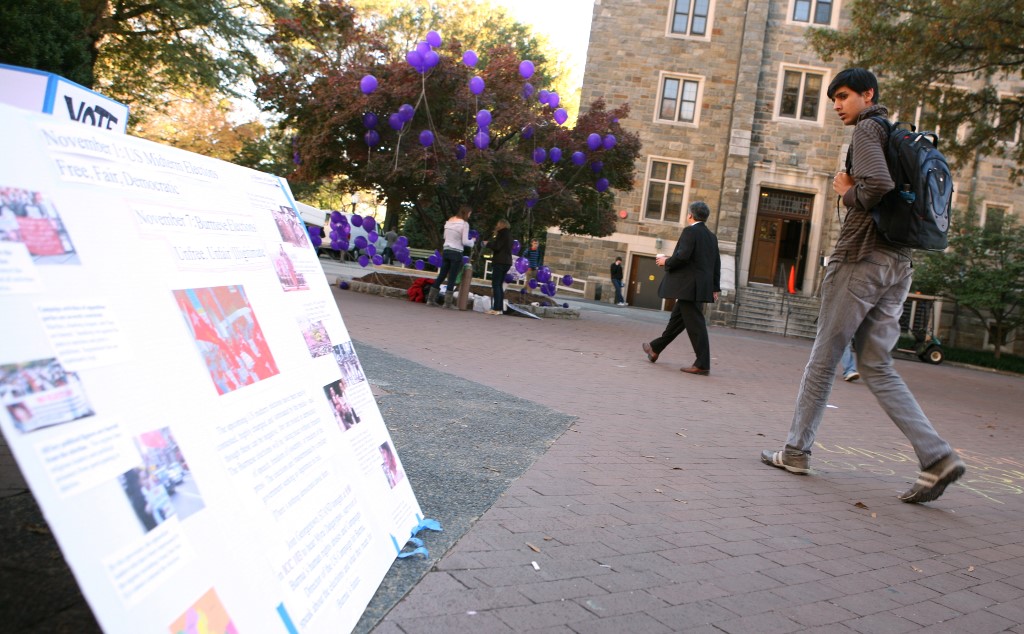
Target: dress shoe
[
  {"x": 652, "y": 356},
  {"x": 695, "y": 370}
]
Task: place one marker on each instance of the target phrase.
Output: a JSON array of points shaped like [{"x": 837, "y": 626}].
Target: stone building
[{"x": 729, "y": 102}]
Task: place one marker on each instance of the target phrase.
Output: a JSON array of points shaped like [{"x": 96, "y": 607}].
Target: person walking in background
[
  {"x": 389, "y": 249},
  {"x": 501, "y": 247},
  {"x": 692, "y": 278},
  {"x": 849, "y": 364},
  {"x": 617, "y": 281},
  {"x": 456, "y": 241},
  {"x": 866, "y": 282}
]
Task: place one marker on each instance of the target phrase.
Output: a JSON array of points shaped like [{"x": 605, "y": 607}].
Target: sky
[{"x": 565, "y": 22}]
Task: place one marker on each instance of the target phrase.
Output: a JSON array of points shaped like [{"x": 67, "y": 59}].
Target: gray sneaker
[
  {"x": 792, "y": 461},
  {"x": 934, "y": 480}
]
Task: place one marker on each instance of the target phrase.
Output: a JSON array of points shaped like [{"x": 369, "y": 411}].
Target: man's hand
[
  {"x": 842, "y": 183},
  {"x": 715, "y": 295},
  {"x": 661, "y": 260}
]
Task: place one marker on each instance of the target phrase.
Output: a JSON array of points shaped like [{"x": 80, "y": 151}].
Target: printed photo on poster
[
  {"x": 292, "y": 229},
  {"x": 205, "y": 616},
  {"x": 317, "y": 339},
  {"x": 224, "y": 328},
  {"x": 389, "y": 463},
  {"x": 161, "y": 486},
  {"x": 31, "y": 218},
  {"x": 41, "y": 393},
  {"x": 348, "y": 363},
  {"x": 344, "y": 414},
  {"x": 291, "y": 279}
]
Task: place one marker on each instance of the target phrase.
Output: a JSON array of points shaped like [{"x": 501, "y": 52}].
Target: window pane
[
  {"x": 668, "y": 99},
  {"x": 700, "y": 17},
  {"x": 790, "y": 94},
  {"x": 678, "y": 173},
  {"x": 812, "y": 97},
  {"x": 686, "y": 112},
  {"x": 655, "y": 197},
  {"x": 994, "y": 219},
  {"x": 659, "y": 170},
  {"x": 700, "y": 26},
  {"x": 1007, "y": 130},
  {"x": 823, "y": 12},
  {"x": 801, "y": 11},
  {"x": 682, "y": 16},
  {"x": 689, "y": 91},
  {"x": 674, "y": 205}
]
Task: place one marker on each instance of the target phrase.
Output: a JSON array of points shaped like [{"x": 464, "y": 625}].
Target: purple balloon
[
  {"x": 553, "y": 99},
  {"x": 509, "y": 279},
  {"x": 481, "y": 140},
  {"x": 460, "y": 151},
  {"x": 542, "y": 96},
  {"x": 476, "y": 85},
  {"x": 434, "y": 259},
  {"x": 419, "y": 265},
  {"x": 579, "y": 158},
  {"x": 538, "y": 155},
  {"x": 377, "y": 260},
  {"x": 422, "y": 48},
  {"x": 515, "y": 247},
  {"x": 601, "y": 184},
  {"x": 465, "y": 259},
  {"x": 469, "y": 58},
  {"x": 371, "y": 250},
  {"x": 342, "y": 245},
  {"x": 530, "y": 202},
  {"x": 406, "y": 111},
  {"x": 370, "y": 120},
  {"x": 533, "y": 284},
  {"x": 543, "y": 274},
  {"x": 567, "y": 280},
  {"x": 316, "y": 239},
  {"x": 473, "y": 234},
  {"x": 522, "y": 264},
  {"x": 372, "y": 138},
  {"x": 483, "y": 118},
  {"x": 527, "y": 90},
  {"x": 431, "y": 59},
  {"x": 561, "y": 116},
  {"x": 395, "y": 121},
  {"x": 426, "y": 138},
  {"x": 555, "y": 154},
  {"x": 434, "y": 38},
  {"x": 594, "y": 141},
  {"x": 368, "y": 84},
  {"x": 336, "y": 216},
  {"x": 526, "y": 69},
  {"x": 528, "y": 132},
  {"x": 414, "y": 58},
  {"x": 609, "y": 141},
  {"x": 597, "y": 166},
  {"x": 360, "y": 242},
  {"x": 364, "y": 261},
  {"x": 357, "y": 220},
  {"x": 369, "y": 227}
]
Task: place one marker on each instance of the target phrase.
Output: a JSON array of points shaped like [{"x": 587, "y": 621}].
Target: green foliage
[
  {"x": 985, "y": 359},
  {"x": 47, "y": 35},
  {"x": 325, "y": 52},
  {"x": 971, "y": 44},
  {"x": 983, "y": 270}
]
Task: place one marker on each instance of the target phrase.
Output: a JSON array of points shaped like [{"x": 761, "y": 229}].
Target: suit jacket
[{"x": 694, "y": 270}]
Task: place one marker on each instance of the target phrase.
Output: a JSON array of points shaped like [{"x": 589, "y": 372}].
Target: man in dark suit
[{"x": 692, "y": 278}]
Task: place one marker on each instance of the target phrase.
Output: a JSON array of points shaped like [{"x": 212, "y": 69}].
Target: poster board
[
  {"x": 40, "y": 91},
  {"x": 181, "y": 393}
]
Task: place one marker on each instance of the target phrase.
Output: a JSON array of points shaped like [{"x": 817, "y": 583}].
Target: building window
[
  {"x": 992, "y": 218},
  {"x": 800, "y": 95},
  {"x": 1009, "y": 110},
  {"x": 666, "y": 191},
  {"x": 679, "y": 99},
  {"x": 690, "y": 17},
  {"x": 817, "y": 12}
]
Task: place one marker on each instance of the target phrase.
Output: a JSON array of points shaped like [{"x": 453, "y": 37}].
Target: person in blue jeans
[
  {"x": 866, "y": 282},
  {"x": 456, "y": 241},
  {"x": 849, "y": 364},
  {"x": 616, "y": 272}
]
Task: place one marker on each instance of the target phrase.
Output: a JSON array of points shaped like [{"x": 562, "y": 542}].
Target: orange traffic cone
[{"x": 792, "y": 280}]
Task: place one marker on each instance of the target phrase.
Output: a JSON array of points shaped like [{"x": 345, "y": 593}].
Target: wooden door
[
  {"x": 766, "y": 249},
  {"x": 644, "y": 279}
]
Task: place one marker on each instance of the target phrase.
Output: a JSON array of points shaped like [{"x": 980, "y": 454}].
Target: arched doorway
[{"x": 779, "y": 248}]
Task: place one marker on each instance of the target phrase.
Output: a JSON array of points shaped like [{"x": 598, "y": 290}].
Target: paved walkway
[{"x": 654, "y": 514}]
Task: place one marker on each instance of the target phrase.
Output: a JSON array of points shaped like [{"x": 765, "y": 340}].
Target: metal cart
[{"x": 918, "y": 322}]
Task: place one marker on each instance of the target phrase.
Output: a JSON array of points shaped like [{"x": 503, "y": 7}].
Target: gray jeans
[{"x": 863, "y": 300}]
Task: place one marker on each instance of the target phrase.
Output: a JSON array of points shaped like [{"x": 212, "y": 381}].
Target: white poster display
[
  {"x": 40, "y": 91},
  {"x": 181, "y": 392}
]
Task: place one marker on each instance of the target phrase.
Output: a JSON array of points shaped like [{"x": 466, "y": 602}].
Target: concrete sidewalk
[{"x": 654, "y": 514}]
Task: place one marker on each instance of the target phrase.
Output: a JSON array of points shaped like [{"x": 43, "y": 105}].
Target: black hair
[
  {"x": 858, "y": 80},
  {"x": 700, "y": 211}
]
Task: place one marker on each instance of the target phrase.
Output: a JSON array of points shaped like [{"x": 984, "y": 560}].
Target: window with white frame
[
  {"x": 680, "y": 98},
  {"x": 813, "y": 12},
  {"x": 800, "y": 94},
  {"x": 1009, "y": 110},
  {"x": 690, "y": 17},
  {"x": 666, "y": 190}
]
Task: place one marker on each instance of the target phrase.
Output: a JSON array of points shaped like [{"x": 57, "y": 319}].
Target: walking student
[
  {"x": 692, "y": 278},
  {"x": 616, "y": 272},
  {"x": 866, "y": 283},
  {"x": 456, "y": 241}
]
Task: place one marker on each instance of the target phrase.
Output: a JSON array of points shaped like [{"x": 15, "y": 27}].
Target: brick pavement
[{"x": 653, "y": 513}]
